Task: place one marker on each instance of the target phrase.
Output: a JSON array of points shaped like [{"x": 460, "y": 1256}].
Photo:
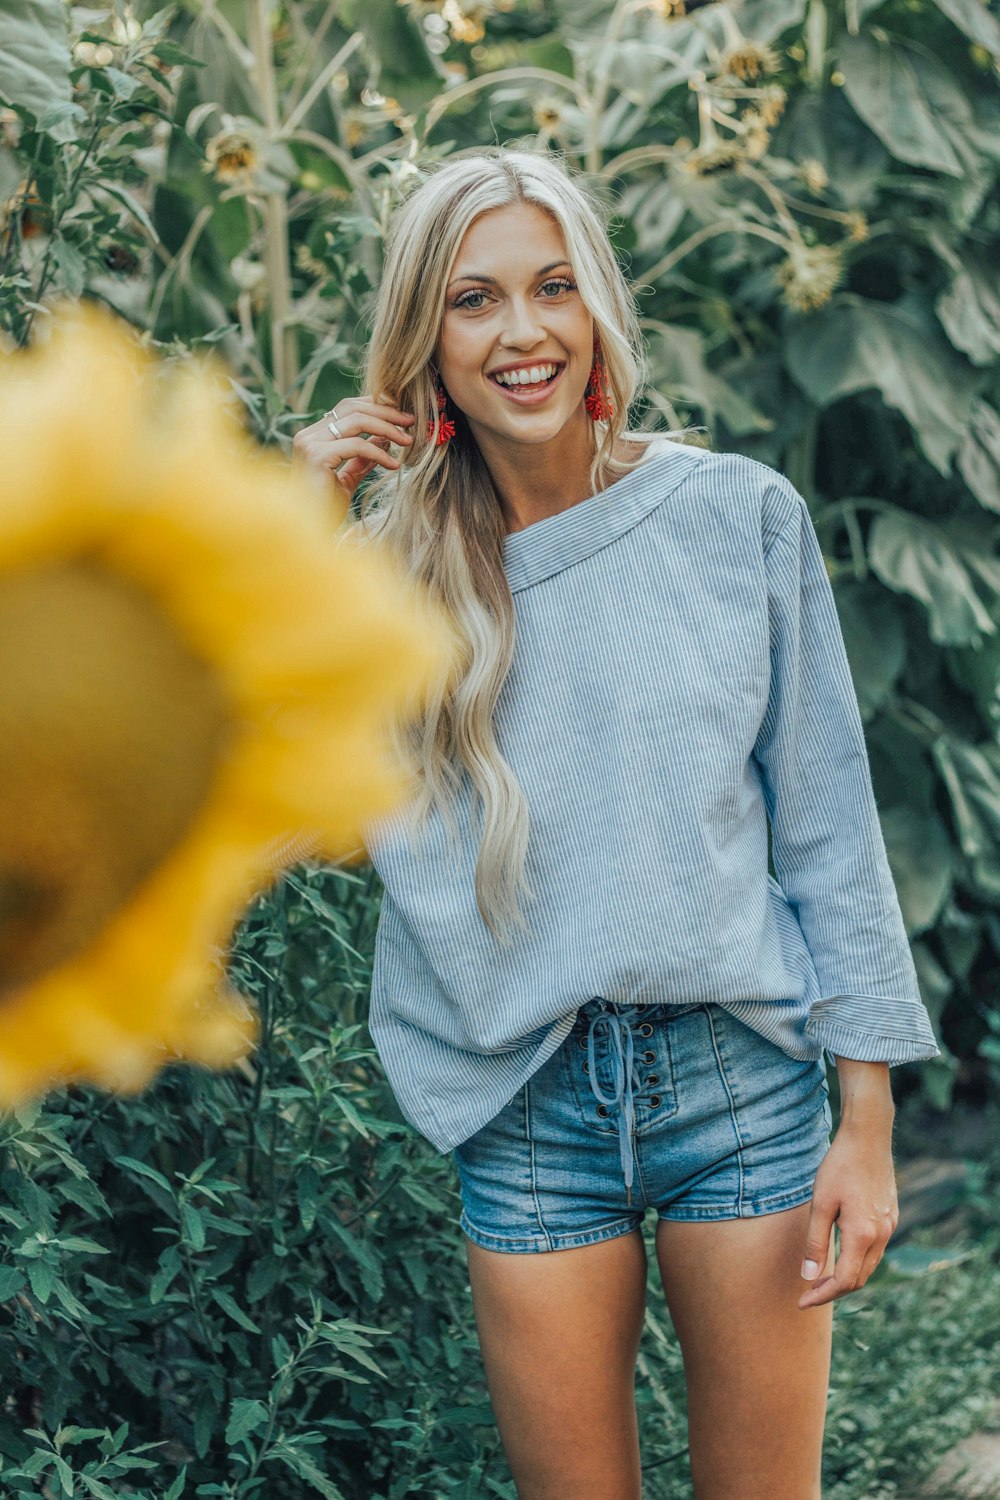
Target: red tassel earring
[
  {"x": 446, "y": 426},
  {"x": 595, "y": 397}
]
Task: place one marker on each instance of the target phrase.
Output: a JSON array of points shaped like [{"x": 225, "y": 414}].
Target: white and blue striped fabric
[{"x": 679, "y": 679}]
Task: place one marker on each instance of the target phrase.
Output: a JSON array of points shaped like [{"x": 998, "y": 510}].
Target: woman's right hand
[{"x": 366, "y": 430}]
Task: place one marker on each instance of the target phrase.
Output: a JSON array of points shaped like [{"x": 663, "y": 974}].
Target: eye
[
  {"x": 464, "y": 302},
  {"x": 562, "y": 282}
]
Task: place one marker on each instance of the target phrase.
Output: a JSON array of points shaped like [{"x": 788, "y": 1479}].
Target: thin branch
[{"x": 320, "y": 82}]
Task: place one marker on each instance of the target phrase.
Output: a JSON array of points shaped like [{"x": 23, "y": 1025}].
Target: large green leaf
[
  {"x": 977, "y": 671},
  {"x": 915, "y": 557},
  {"x": 34, "y": 54},
  {"x": 973, "y": 782},
  {"x": 919, "y": 850},
  {"x": 678, "y": 368},
  {"x": 979, "y": 455},
  {"x": 868, "y": 613},
  {"x": 970, "y": 309},
  {"x": 972, "y": 17},
  {"x": 823, "y": 127},
  {"x": 853, "y": 344},
  {"x": 922, "y": 113},
  {"x": 885, "y": 89}
]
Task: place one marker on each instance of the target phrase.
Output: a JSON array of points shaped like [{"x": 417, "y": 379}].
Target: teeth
[{"x": 534, "y": 376}]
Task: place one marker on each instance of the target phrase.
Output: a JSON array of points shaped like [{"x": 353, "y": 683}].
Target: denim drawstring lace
[{"x": 624, "y": 1077}]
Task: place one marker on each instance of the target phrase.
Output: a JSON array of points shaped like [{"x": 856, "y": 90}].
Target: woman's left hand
[{"x": 856, "y": 1187}]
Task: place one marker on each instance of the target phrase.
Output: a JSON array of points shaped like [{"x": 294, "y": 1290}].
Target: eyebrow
[{"x": 478, "y": 275}]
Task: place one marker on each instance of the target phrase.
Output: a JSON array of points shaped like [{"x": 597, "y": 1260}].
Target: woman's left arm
[{"x": 855, "y": 1185}]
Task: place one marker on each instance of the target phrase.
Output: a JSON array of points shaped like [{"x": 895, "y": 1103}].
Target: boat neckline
[{"x": 552, "y": 543}]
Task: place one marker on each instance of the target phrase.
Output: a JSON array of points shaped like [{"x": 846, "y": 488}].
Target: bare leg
[
  {"x": 559, "y": 1332},
  {"x": 757, "y": 1365}
]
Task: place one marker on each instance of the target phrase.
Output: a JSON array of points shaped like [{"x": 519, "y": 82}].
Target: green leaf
[
  {"x": 680, "y": 369},
  {"x": 65, "y": 1474},
  {"x": 143, "y": 1169},
  {"x": 853, "y": 345},
  {"x": 97, "y": 1489},
  {"x": 919, "y": 1260},
  {"x": 868, "y": 613},
  {"x": 11, "y": 1281},
  {"x": 72, "y": 266},
  {"x": 123, "y": 85},
  {"x": 969, "y": 308},
  {"x": 194, "y": 1225},
  {"x": 230, "y": 1306},
  {"x": 974, "y": 787},
  {"x": 977, "y": 670},
  {"x": 978, "y": 24},
  {"x": 915, "y": 557},
  {"x": 245, "y": 1416},
  {"x": 919, "y": 850},
  {"x": 135, "y": 208},
  {"x": 34, "y": 54},
  {"x": 170, "y": 1265},
  {"x": 302, "y": 1465},
  {"x": 263, "y": 1275},
  {"x": 176, "y": 1490},
  {"x": 978, "y": 457},
  {"x": 77, "y": 1242},
  {"x": 41, "y": 1277},
  {"x": 886, "y": 90}
]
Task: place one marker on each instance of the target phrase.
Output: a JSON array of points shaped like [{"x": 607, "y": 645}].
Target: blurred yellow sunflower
[{"x": 199, "y": 664}]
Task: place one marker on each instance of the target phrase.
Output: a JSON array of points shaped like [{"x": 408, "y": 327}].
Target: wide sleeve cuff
[{"x": 872, "y": 1028}]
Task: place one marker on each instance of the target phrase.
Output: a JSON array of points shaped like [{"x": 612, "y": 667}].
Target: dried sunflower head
[
  {"x": 857, "y": 225},
  {"x": 721, "y": 157},
  {"x": 749, "y": 59},
  {"x": 809, "y": 274},
  {"x": 814, "y": 174},
  {"x": 233, "y": 156}
]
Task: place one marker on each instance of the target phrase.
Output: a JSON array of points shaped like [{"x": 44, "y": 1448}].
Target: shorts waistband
[{"x": 618, "y": 1020}]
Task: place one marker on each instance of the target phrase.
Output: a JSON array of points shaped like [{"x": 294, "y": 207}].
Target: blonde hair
[{"x": 440, "y": 514}]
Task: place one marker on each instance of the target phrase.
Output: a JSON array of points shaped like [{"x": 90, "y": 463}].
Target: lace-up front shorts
[{"x": 681, "y": 1108}]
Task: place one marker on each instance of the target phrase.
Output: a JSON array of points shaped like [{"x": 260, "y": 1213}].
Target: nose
[{"x": 523, "y": 328}]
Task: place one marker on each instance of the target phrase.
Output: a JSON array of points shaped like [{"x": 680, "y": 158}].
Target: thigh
[
  {"x": 559, "y": 1333},
  {"x": 757, "y": 1365}
]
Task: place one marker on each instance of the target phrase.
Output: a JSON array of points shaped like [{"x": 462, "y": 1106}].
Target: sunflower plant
[{"x": 199, "y": 667}]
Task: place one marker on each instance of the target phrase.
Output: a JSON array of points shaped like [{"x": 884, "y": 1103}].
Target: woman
[{"x": 654, "y": 673}]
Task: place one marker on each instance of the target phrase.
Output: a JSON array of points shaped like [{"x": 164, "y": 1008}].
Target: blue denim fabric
[{"x": 681, "y": 1108}]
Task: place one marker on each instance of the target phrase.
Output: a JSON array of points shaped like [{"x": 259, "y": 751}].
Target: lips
[{"x": 523, "y": 395}]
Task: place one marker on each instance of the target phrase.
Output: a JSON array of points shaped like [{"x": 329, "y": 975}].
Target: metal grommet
[
  {"x": 649, "y": 1057},
  {"x": 653, "y": 1078},
  {"x": 586, "y": 1067},
  {"x": 582, "y": 1041},
  {"x": 645, "y": 1029},
  {"x": 601, "y": 1110},
  {"x": 654, "y": 1100}
]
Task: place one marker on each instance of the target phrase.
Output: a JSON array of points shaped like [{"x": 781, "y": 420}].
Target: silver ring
[{"x": 335, "y": 429}]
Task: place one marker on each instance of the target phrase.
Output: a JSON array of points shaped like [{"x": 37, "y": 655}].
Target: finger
[
  {"x": 871, "y": 1260},
  {"x": 818, "y": 1232},
  {"x": 366, "y": 449},
  {"x": 385, "y": 411},
  {"x": 330, "y": 453},
  {"x": 845, "y": 1274},
  {"x": 353, "y": 422}
]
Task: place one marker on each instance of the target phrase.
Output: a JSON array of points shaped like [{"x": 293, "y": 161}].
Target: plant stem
[{"x": 284, "y": 342}]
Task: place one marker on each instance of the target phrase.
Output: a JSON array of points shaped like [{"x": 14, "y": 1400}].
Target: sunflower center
[{"x": 111, "y": 730}]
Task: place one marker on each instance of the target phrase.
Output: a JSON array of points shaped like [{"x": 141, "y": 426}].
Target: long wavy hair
[{"x": 439, "y": 513}]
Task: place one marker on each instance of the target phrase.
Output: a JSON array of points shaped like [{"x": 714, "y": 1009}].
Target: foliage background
[{"x": 805, "y": 197}]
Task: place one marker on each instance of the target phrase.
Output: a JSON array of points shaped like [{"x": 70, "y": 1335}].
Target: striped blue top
[{"x": 679, "y": 681}]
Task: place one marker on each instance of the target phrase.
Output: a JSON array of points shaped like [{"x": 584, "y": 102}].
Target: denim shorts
[{"x": 681, "y": 1108}]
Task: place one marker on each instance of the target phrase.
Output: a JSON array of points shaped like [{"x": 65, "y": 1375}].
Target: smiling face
[{"x": 512, "y": 305}]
